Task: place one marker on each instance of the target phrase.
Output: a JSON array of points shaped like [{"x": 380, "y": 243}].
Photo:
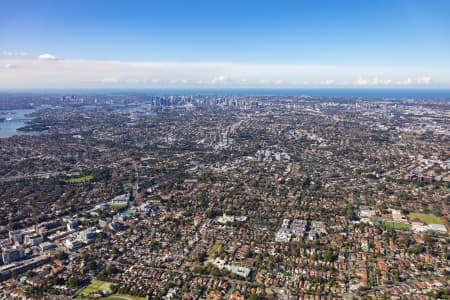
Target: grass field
[
  {"x": 399, "y": 226},
  {"x": 216, "y": 250},
  {"x": 123, "y": 297},
  {"x": 119, "y": 206},
  {"x": 80, "y": 179},
  {"x": 95, "y": 286},
  {"x": 426, "y": 218}
]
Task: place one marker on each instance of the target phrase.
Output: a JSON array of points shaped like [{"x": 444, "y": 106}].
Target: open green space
[
  {"x": 123, "y": 297},
  {"x": 216, "y": 250},
  {"x": 426, "y": 218},
  {"x": 91, "y": 291},
  {"x": 119, "y": 205},
  {"x": 398, "y": 226},
  {"x": 79, "y": 179}
]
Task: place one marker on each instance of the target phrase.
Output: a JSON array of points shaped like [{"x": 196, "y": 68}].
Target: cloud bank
[
  {"x": 51, "y": 71},
  {"x": 47, "y": 56}
]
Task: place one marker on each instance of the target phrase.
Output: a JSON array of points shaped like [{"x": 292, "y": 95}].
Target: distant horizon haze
[{"x": 392, "y": 93}]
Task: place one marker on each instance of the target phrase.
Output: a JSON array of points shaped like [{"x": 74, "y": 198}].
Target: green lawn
[
  {"x": 80, "y": 179},
  {"x": 123, "y": 297},
  {"x": 119, "y": 206},
  {"x": 399, "y": 226},
  {"x": 91, "y": 290},
  {"x": 426, "y": 218},
  {"x": 216, "y": 250}
]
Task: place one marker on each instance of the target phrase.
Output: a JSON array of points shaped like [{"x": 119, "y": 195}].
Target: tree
[
  {"x": 253, "y": 296},
  {"x": 349, "y": 212},
  {"x": 73, "y": 282},
  {"x": 92, "y": 265}
]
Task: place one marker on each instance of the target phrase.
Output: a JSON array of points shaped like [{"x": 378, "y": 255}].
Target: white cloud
[
  {"x": 48, "y": 56},
  {"x": 13, "y": 54},
  {"x": 219, "y": 79},
  {"x": 407, "y": 81},
  {"x": 110, "y": 80},
  {"x": 131, "y": 81},
  {"x": 69, "y": 73},
  {"x": 10, "y": 66},
  {"x": 426, "y": 80},
  {"x": 328, "y": 82},
  {"x": 361, "y": 82}
]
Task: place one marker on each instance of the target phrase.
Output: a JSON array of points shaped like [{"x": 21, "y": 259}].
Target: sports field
[
  {"x": 82, "y": 179},
  {"x": 119, "y": 205},
  {"x": 123, "y": 297},
  {"x": 91, "y": 290},
  {"x": 399, "y": 226},
  {"x": 426, "y": 218}
]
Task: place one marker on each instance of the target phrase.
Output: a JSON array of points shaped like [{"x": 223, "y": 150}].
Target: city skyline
[{"x": 224, "y": 45}]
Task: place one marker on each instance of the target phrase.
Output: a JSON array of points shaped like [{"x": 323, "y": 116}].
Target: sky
[{"x": 220, "y": 44}]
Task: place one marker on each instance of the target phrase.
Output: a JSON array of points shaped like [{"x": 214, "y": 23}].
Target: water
[
  {"x": 9, "y": 128},
  {"x": 19, "y": 118}
]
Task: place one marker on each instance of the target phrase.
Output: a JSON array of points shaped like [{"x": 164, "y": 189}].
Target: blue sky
[{"x": 225, "y": 43}]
